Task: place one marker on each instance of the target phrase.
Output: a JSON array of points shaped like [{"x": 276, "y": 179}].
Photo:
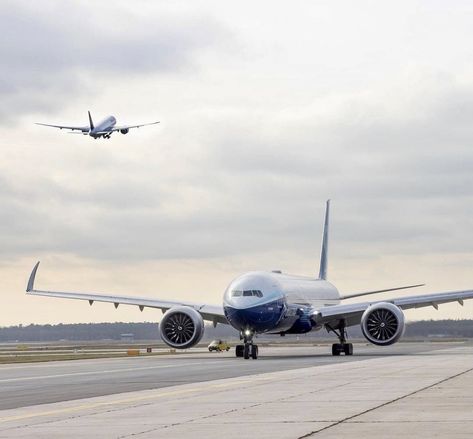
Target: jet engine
[
  {"x": 124, "y": 131},
  {"x": 383, "y": 324},
  {"x": 181, "y": 327}
]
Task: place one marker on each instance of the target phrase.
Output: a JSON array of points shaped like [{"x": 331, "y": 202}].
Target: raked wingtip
[{"x": 30, "y": 286}]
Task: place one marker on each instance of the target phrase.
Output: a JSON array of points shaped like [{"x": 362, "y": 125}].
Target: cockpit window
[
  {"x": 257, "y": 293},
  {"x": 247, "y": 293}
]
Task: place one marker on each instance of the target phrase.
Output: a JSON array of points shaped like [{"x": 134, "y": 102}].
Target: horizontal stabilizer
[{"x": 366, "y": 293}]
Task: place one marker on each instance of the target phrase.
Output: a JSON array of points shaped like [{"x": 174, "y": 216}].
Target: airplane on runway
[
  {"x": 103, "y": 129},
  {"x": 278, "y": 303}
]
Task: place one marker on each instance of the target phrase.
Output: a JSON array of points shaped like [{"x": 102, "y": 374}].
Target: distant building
[{"x": 127, "y": 337}]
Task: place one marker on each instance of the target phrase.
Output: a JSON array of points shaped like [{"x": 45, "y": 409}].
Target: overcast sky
[{"x": 267, "y": 109}]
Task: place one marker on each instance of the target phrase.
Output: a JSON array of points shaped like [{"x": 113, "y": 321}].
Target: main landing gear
[
  {"x": 247, "y": 349},
  {"x": 343, "y": 346}
]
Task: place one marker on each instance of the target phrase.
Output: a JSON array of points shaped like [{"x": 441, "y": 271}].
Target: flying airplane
[
  {"x": 103, "y": 129},
  {"x": 278, "y": 303}
]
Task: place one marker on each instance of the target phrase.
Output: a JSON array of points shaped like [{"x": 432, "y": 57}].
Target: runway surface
[
  {"x": 410, "y": 390},
  {"x": 31, "y": 384}
]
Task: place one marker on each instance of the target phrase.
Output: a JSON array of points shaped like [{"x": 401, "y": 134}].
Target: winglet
[
  {"x": 91, "y": 122},
  {"x": 324, "y": 253},
  {"x": 30, "y": 286}
]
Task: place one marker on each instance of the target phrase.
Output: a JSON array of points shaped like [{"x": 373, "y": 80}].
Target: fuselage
[
  {"x": 276, "y": 302},
  {"x": 103, "y": 126}
]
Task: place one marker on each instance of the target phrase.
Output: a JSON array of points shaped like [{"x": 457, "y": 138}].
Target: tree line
[{"x": 149, "y": 331}]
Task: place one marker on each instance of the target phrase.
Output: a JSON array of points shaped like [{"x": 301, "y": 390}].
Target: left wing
[
  {"x": 64, "y": 127},
  {"x": 213, "y": 313},
  {"x": 127, "y": 127},
  {"x": 352, "y": 313}
]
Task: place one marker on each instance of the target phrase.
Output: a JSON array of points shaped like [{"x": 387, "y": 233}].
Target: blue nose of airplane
[
  {"x": 254, "y": 301},
  {"x": 258, "y": 318}
]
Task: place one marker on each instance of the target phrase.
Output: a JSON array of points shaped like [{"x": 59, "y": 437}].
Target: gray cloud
[
  {"x": 224, "y": 177},
  {"x": 249, "y": 193},
  {"x": 264, "y": 116},
  {"x": 52, "y": 53}
]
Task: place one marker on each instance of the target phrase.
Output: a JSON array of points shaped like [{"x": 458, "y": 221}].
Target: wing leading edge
[
  {"x": 213, "y": 313},
  {"x": 64, "y": 127}
]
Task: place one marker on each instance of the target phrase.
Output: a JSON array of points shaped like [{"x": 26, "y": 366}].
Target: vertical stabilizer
[
  {"x": 91, "y": 122},
  {"x": 324, "y": 253}
]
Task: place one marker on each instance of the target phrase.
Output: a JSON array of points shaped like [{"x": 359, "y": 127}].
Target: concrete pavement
[{"x": 428, "y": 394}]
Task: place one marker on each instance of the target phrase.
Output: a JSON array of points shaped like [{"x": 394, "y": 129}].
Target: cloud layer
[
  {"x": 52, "y": 53},
  {"x": 264, "y": 116}
]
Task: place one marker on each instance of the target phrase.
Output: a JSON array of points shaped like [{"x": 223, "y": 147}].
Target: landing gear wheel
[
  {"x": 239, "y": 350},
  {"x": 341, "y": 333},
  {"x": 254, "y": 352},
  {"x": 348, "y": 348},
  {"x": 337, "y": 349},
  {"x": 246, "y": 351}
]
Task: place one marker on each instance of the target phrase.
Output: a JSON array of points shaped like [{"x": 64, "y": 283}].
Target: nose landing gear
[{"x": 247, "y": 349}]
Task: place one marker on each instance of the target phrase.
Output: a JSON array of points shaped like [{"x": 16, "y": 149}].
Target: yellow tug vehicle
[{"x": 219, "y": 346}]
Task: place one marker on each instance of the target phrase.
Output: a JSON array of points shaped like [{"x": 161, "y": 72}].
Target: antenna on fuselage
[
  {"x": 324, "y": 252},
  {"x": 91, "y": 122}
]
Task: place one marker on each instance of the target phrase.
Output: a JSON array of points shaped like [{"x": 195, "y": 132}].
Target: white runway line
[{"x": 102, "y": 372}]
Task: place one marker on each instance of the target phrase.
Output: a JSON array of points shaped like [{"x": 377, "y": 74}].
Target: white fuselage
[
  {"x": 105, "y": 125},
  {"x": 272, "y": 302}
]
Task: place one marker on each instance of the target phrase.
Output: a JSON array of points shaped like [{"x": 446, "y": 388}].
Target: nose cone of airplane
[{"x": 255, "y": 302}]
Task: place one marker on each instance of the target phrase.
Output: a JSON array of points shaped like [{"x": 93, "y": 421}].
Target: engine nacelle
[
  {"x": 181, "y": 327},
  {"x": 383, "y": 324},
  {"x": 124, "y": 131}
]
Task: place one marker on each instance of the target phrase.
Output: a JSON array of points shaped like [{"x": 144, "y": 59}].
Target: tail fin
[
  {"x": 91, "y": 122},
  {"x": 324, "y": 253}
]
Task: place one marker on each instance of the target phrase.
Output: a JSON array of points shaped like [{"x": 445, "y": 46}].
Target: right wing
[
  {"x": 61, "y": 127},
  {"x": 351, "y": 313},
  {"x": 128, "y": 127},
  {"x": 213, "y": 313}
]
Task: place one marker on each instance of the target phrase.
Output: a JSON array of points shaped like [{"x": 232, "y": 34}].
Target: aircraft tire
[
  {"x": 337, "y": 349},
  {"x": 348, "y": 348},
  {"x": 246, "y": 352},
  {"x": 239, "y": 350},
  {"x": 254, "y": 352}
]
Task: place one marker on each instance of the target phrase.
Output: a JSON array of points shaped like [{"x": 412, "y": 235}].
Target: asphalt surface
[{"x": 23, "y": 385}]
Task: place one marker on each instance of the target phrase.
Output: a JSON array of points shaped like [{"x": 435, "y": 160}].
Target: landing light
[{"x": 247, "y": 332}]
